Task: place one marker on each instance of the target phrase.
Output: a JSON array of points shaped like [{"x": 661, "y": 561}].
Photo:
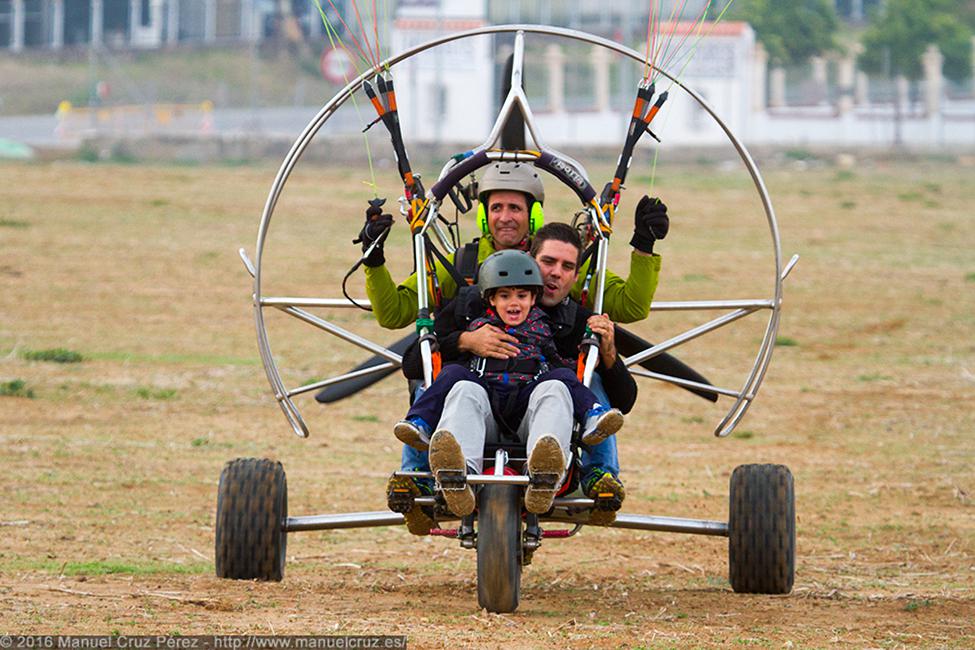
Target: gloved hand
[
  {"x": 651, "y": 224},
  {"x": 377, "y": 222}
]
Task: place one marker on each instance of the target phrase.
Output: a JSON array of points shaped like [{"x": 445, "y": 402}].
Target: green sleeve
[
  {"x": 626, "y": 301},
  {"x": 395, "y": 305}
]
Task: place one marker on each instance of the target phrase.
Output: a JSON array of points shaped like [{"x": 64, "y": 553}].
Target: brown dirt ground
[{"x": 107, "y": 508}]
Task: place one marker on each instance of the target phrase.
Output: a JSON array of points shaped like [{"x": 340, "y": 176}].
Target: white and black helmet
[
  {"x": 509, "y": 268},
  {"x": 512, "y": 176}
]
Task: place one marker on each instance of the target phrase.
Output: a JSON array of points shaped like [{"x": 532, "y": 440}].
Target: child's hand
[{"x": 488, "y": 341}]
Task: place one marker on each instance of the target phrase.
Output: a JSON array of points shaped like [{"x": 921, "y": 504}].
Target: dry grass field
[{"x": 111, "y": 463}]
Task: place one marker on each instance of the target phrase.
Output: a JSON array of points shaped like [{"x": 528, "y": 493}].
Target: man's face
[
  {"x": 512, "y": 304},
  {"x": 507, "y": 217},
  {"x": 559, "y": 262}
]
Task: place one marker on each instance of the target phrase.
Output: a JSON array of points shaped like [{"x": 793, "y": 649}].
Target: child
[{"x": 510, "y": 281}]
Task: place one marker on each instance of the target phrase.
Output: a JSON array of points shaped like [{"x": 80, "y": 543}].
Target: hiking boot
[
  {"x": 546, "y": 469},
  {"x": 400, "y": 492},
  {"x": 601, "y": 423},
  {"x": 413, "y": 432},
  {"x": 608, "y": 493},
  {"x": 450, "y": 469}
]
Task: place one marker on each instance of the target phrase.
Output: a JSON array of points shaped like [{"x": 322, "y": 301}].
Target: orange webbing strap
[
  {"x": 581, "y": 366},
  {"x": 437, "y": 363}
]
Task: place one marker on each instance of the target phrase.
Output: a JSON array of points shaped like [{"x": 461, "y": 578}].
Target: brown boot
[
  {"x": 546, "y": 470},
  {"x": 449, "y": 467}
]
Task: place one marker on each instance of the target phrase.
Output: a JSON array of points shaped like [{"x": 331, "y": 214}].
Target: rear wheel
[
  {"x": 762, "y": 530},
  {"x": 252, "y": 506},
  {"x": 498, "y": 547}
]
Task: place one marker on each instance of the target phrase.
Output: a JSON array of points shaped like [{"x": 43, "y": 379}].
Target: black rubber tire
[
  {"x": 499, "y": 548},
  {"x": 252, "y": 506},
  {"x": 762, "y": 530}
]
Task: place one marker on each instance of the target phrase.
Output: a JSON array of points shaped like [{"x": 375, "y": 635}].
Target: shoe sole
[
  {"x": 609, "y": 424},
  {"x": 447, "y": 456},
  {"x": 545, "y": 458},
  {"x": 417, "y": 521},
  {"x": 605, "y": 487},
  {"x": 410, "y": 435}
]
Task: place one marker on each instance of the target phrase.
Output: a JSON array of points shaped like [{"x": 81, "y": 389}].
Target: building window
[{"x": 145, "y": 15}]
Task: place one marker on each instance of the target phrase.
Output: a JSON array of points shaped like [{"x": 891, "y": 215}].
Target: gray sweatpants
[{"x": 467, "y": 415}]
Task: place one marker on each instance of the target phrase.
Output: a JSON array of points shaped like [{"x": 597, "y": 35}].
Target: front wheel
[
  {"x": 252, "y": 506},
  {"x": 762, "y": 530},
  {"x": 498, "y": 547}
]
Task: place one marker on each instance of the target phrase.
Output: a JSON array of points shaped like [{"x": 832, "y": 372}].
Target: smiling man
[{"x": 509, "y": 213}]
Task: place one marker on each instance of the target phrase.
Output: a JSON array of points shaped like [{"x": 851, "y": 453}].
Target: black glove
[
  {"x": 376, "y": 224},
  {"x": 651, "y": 224}
]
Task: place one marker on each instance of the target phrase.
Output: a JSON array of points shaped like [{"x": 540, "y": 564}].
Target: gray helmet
[
  {"x": 513, "y": 176},
  {"x": 508, "y": 268}
]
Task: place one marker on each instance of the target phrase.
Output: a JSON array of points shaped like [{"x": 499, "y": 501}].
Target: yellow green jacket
[{"x": 625, "y": 301}]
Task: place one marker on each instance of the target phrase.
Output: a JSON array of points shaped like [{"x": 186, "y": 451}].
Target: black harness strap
[
  {"x": 465, "y": 260},
  {"x": 451, "y": 269}
]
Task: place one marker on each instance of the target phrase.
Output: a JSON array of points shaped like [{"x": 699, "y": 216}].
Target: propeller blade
[
  {"x": 628, "y": 344},
  {"x": 349, "y": 387}
]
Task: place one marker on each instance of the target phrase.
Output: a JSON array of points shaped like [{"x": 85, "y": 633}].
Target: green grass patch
[
  {"x": 365, "y": 418},
  {"x": 13, "y": 223},
  {"x": 914, "y": 605},
  {"x": 202, "y": 441},
  {"x": 54, "y": 355},
  {"x": 204, "y": 359},
  {"x": 16, "y": 388},
  {"x": 873, "y": 377},
  {"x": 910, "y": 197},
  {"x": 844, "y": 175},
  {"x": 696, "y": 277},
  {"x": 161, "y": 394},
  {"x": 786, "y": 342},
  {"x": 970, "y": 277},
  {"x": 848, "y": 205},
  {"x": 744, "y": 434},
  {"x": 799, "y": 154},
  {"x": 106, "y": 567},
  {"x": 159, "y": 203}
]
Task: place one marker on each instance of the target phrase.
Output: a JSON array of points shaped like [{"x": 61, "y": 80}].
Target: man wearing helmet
[{"x": 510, "y": 202}]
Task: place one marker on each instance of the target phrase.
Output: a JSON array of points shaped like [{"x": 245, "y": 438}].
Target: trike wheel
[
  {"x": 252, "y": 506},
  {"x": 762, "y": 530},
  {"x": 498, "y": 547}
]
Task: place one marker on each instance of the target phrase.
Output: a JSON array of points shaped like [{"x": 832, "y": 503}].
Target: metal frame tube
[
  {"x": 343, "y": 334},
  {"x": 693, "y": 333},
  {"x": 387, "y": 518}
]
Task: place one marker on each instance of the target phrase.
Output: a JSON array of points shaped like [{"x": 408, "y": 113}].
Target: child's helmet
[{"x": 509, "y": 268}]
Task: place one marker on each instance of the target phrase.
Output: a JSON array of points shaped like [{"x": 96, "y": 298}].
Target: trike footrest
[
  {"x": 544, "y": 480},
  {"x": 452, "y": 479},
  {"x": 400, "y": 500}
]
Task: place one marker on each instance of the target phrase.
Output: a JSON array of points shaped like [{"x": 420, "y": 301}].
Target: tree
[
  {"x": 792, "y": 31},
  {"x": 903, "y": 29}
]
